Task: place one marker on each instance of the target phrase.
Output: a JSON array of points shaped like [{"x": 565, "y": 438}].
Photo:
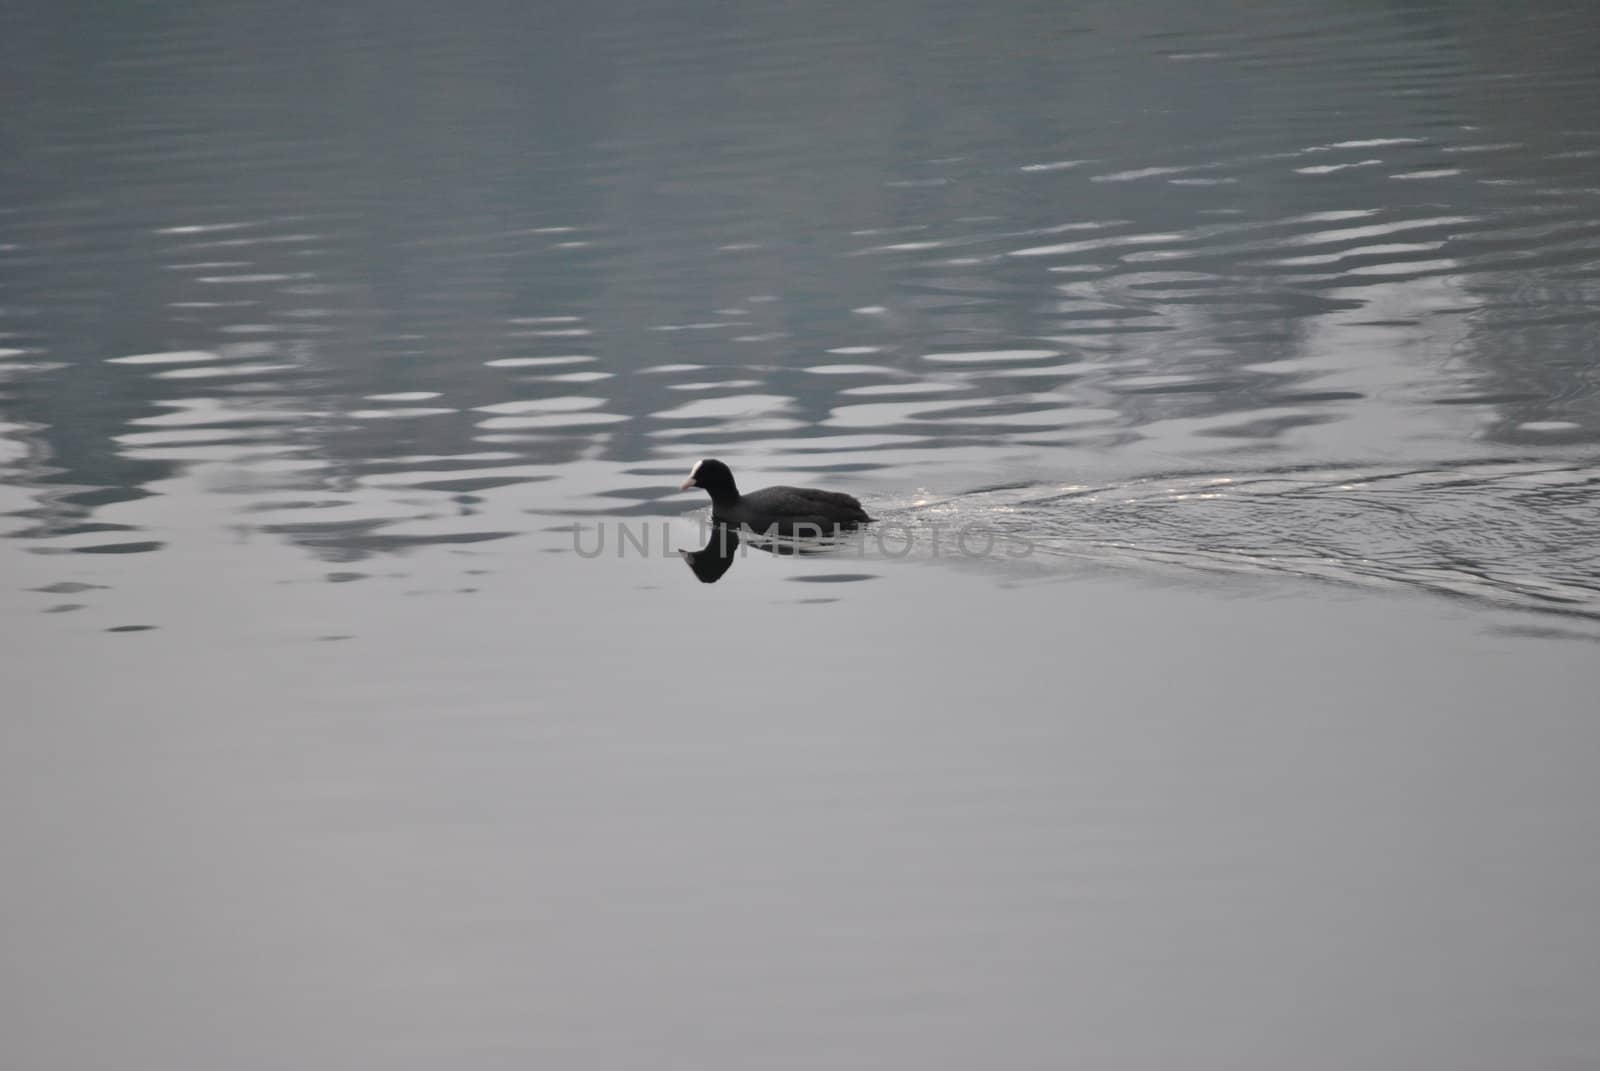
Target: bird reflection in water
[{"x": 726, "y": 542}]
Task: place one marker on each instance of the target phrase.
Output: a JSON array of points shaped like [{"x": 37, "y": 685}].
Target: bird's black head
[{"x": 715, "y": 477}]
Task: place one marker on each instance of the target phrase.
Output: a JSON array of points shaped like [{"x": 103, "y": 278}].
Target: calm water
[{"x": 1259, "y": 350}]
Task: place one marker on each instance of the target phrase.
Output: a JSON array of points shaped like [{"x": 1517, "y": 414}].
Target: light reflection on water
[{"x": 1071, "y": 291}]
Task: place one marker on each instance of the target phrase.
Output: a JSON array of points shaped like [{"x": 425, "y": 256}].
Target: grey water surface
[{"x": 1217, "y": 690}]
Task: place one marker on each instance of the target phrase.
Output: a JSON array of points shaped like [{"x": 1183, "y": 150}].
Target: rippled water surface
[{"x": 1217, "y": 689}]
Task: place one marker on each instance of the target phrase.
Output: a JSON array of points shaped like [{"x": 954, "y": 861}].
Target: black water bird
[{"x": 774, "y": 510}]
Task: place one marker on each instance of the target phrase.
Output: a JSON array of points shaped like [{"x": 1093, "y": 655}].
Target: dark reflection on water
[
  {"x": 420, "y": 284},
  {"x": 377, "y": 304},
  {"x": 724, "y": 544},
  {"x": 713, "y": 560}
]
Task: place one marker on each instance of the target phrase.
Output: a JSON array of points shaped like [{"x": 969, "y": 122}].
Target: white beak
[{"x": 686, "y": 484}]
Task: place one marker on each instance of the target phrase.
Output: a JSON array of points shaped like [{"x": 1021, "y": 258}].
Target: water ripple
[{"x": 1393, "y": 251}]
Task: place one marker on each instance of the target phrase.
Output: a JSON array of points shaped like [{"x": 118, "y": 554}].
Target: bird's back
[{"x": 788, "y": 506}]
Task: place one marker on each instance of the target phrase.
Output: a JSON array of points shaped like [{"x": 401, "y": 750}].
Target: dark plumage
[{"x": 774, "y": 510}]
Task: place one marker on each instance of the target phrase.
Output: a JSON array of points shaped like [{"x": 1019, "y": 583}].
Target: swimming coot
[{"x": 774, "y": 510}]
